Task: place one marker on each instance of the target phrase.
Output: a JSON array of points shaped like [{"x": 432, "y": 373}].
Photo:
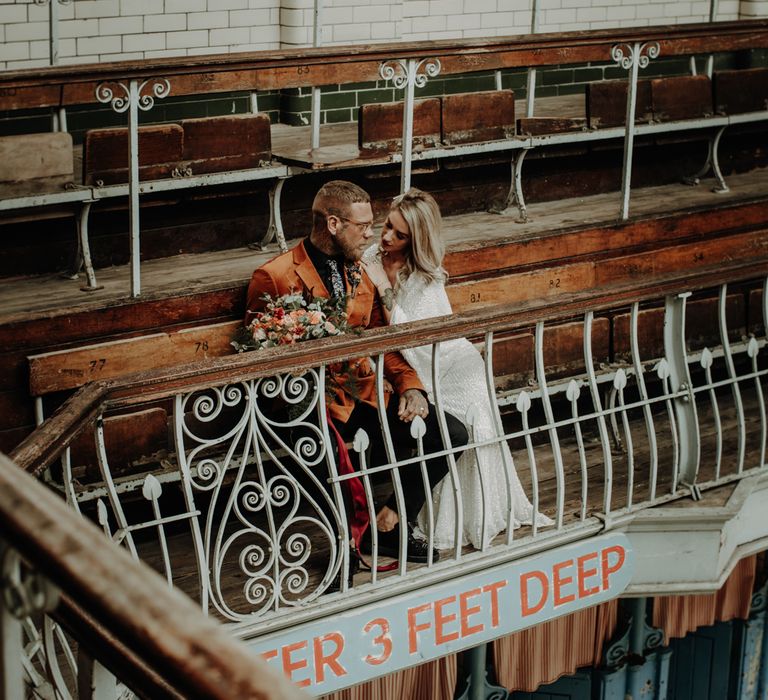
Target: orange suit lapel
[
  {"x": 359, "y": 306},
  {"x": 306, "y": 272}
]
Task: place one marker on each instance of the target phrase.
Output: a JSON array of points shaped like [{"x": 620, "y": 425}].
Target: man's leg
[
  {"x": 366, "y": 417},
  {"x": 437, "y": 467}
]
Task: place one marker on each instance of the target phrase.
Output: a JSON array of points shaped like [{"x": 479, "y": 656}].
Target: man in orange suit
[{"x": 327, "y": 264}]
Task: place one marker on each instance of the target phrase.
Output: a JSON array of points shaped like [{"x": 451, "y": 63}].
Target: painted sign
[{"x": 409, "y": 629}]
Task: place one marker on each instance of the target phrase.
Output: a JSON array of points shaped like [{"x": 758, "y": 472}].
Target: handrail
[
  {"x": 159, "y": 627},
  {"x": 267, "y": 70},
  {"x": 49, "y": 440}
]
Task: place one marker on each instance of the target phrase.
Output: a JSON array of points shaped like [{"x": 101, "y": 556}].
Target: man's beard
[{"x": 350, "y": 252}]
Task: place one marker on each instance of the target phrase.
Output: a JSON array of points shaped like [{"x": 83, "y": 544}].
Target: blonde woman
[{"x": 406, "y": 268}]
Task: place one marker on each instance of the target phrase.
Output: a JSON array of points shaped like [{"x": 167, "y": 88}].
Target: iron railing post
[
  {"x": 11, "y": 644},
  {"x": 131, "y": 98},
  {"x": 631, "y": 58},
  {"x": 317, "y": 40},
  {"x": 408, "y": 74},
  {"x": 405, "y": 173},
  {"x": 680, "y": 381},
  {"x": 530, "y": 95}
]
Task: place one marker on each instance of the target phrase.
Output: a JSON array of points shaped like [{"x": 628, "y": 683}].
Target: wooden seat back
[
  {"x": 380, "y": 126},
  {"x": 105, "y": 153},
  {"x": 231, "y": 142},
  {"x": 702, "y": 320},
  {"x": 478, "y": 116},
  {"x": 135, "y": 438},
  {"x": 738, "y": 91},
  {"x": 607, "y": 103},
  {"x": 681, "y": 97},
  {"x": 45, "y": 158}
]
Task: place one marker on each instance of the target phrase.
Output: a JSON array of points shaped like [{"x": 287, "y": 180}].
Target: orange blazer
[{"x": 294, "y": 271}]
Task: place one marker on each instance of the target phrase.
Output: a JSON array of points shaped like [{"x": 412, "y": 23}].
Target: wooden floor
[{"x": 23, "y": 298}]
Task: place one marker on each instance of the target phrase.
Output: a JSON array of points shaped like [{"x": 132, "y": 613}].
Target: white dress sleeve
[{"x": 417, "y": 299}]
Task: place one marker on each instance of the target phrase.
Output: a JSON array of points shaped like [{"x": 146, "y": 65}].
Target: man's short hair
[{"x": 335, "y": 197}]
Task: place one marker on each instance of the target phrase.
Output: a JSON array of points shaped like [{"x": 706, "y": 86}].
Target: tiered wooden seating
[
  {"x": 738, "y": 91},
  {"x": 380, "y": 126}
]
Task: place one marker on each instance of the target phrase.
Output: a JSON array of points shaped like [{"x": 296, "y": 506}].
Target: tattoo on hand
[{"x": 388, "y": 298}]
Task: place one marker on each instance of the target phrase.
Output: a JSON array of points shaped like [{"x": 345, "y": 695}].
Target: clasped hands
[{"x": 412, "y": 403}]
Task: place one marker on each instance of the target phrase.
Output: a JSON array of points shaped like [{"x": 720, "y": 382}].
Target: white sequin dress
[{"x": 462, "y": 391}]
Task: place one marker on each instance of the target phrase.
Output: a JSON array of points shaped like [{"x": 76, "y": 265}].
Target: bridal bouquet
[{"x": 292, "y": 318}]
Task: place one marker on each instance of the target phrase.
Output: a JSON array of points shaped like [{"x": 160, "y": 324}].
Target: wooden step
[{"x": 487, "y": 263}]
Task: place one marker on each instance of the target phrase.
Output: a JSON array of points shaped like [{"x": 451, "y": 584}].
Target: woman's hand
[{"x": 375, "y": 270}]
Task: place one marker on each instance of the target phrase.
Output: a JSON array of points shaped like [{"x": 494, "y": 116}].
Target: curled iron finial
[
  {"x": 158, "y": 88},
  {"x": 118, "y": 94},
  {"x": 627, "y": 54},
  {"x": 105, "y": 93},
  {"x": 401, "y": 71}
]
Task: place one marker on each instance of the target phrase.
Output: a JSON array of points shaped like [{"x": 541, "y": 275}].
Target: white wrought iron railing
[
  {"x": 81, "y": 619},
  {"x": 246, "y": 511}
]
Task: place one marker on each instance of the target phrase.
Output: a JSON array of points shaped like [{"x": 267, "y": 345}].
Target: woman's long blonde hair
[{"x": 422, "y": 214}]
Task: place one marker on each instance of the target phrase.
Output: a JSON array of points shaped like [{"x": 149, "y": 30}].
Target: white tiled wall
[
  {"x": 113, "y": 30},
  {"x": 116, "y": 30}
]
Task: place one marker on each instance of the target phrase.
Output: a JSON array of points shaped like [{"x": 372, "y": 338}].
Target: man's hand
[{"x": 412, "y": 404}]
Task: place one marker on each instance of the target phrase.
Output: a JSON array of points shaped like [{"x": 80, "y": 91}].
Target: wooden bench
[
  {"x": 681, "y": 97},
  {"x": 465, "y": 118},
  {"x": 105, "y": 153},
  {"x": 477, "y": 116},
  {"x": 234, "y": 142},
  {"x": 191, "y": 147}
]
